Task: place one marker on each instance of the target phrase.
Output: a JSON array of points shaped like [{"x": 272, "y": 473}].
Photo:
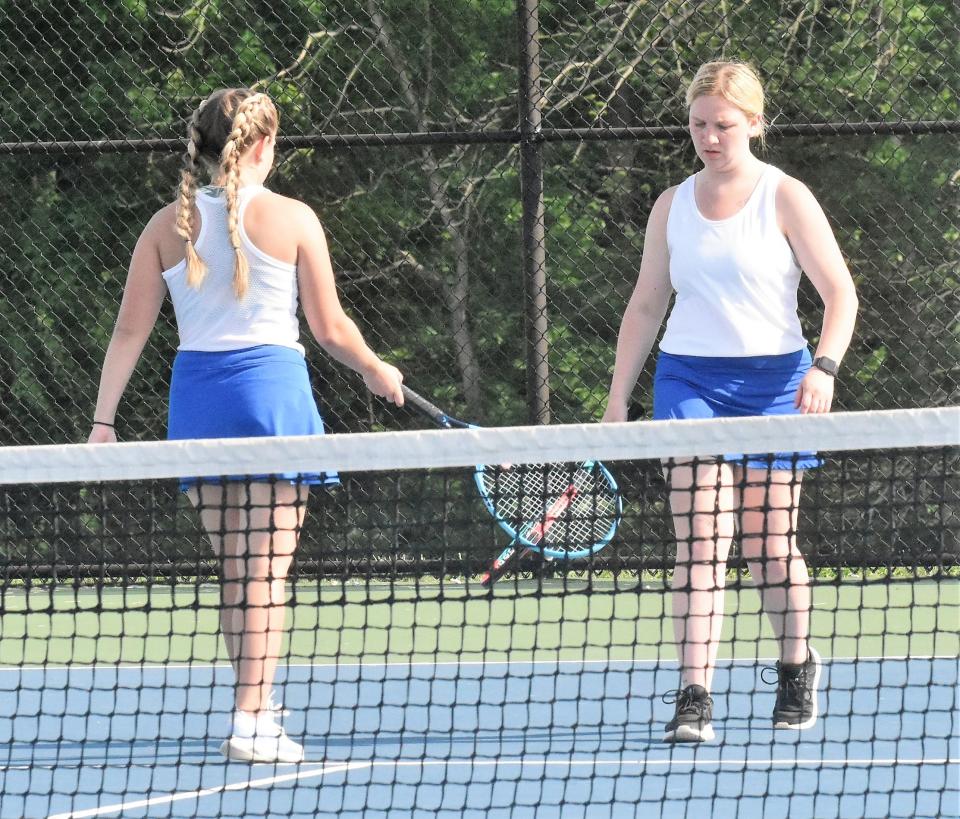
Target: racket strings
[
  {"x": 532, "y": 496},
  {"x": 587, "y": 519}
]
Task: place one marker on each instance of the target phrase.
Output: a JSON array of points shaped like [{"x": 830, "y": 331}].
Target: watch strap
[{"x": 827, "y": 365}]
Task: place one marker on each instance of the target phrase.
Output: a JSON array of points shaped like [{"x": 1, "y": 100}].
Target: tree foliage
[{"x": 426, "y": 237}]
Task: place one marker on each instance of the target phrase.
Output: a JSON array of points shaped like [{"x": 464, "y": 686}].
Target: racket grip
[
  {"x": 423, "y": 405},
  {"x": 500, "y": 566}
]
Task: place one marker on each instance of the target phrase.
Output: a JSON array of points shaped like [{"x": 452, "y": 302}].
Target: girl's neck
[
  {"x": 743, "y": 171},
  {"x": 248, "y": 177}
]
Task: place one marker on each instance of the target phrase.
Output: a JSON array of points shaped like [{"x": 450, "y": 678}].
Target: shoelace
[
  {"x": 795, "y": 686},
  {"x": 686, "y": 702}
]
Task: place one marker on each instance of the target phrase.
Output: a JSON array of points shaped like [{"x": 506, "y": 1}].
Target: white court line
[
  {"x": 179, "y": 797},
  {"x": 455, "y": 663},
  {"x": 351, "y": 766}
]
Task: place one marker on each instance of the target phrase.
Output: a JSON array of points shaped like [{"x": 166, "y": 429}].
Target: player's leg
[
  {"x": 272, "y": 515},
  {"x": 255, "y": 533},
  {"x": 701, "y": 503},
  {"x": 219, "y": 512},
  {"x": 769, "y": 540}
]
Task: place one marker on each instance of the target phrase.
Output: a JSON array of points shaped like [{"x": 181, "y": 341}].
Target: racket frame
[{"x": 441, "y": 418}]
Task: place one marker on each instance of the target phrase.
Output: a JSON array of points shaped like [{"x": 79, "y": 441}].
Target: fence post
[{"x": 532, "y": 226}]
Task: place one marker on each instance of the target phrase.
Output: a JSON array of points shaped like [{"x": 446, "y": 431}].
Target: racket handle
[
  {"x": 635, "y": 411},
  {"x": 500, "y": 565},
  {"x": 535, "y": 535},
  {"x": 424, "y": 406}
]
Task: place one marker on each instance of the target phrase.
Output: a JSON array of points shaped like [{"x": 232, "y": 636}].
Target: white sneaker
[
  {"x": 260, "y": 739},
  {"x": 276, "y": 708}
]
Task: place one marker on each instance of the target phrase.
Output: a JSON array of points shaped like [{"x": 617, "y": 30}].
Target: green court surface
[{"x": 451, "y": 623}]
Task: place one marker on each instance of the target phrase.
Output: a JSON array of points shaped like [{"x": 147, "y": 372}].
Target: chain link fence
[
  {"x": 484, "y": 170},
  {"x": 407, "y": 126}
]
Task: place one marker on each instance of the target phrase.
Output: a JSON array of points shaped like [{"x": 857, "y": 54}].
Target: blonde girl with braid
[{"x": 237, "y": 260}]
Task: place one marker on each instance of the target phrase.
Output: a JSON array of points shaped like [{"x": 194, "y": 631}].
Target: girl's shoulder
[
  {"x": 275, "y": 206},
  {"x": 792, "y": 193},
  {"x": 782, "y": 180},
  {"x": 666, "y": 197},
  {"x": 162, "y": 224},
  {"x": 160, "y": 236},
  {"x": 796, "y": 206},
  {"x": 280, "y": 224}
]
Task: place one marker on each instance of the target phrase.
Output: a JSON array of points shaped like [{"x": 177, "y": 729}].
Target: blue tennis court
[{"x": 577, "y": 738}]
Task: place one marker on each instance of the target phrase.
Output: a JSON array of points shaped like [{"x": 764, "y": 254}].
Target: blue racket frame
[
  {"x": 447, "y": 421},
  {"x": 557, "y": 554}
]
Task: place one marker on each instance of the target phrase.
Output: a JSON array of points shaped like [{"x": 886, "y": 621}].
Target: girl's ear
[{"x": 262, "y": 145}]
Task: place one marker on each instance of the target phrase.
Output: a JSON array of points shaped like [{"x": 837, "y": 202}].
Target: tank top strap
[
  {"x": 684, "y": 197},
  {"x": 767, "y": 198},
  {"x": 248, "y": 192},
  {"x": 683, "y": 210},
  {"x": 246, "y": 195},
  {"x": 207, "y": 210},
  {"x": 212, "y": 206}
]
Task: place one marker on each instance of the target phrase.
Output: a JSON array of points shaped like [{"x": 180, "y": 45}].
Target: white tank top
[
  {"x": 211, "y": 318},
  {"x": 736, "y": 279}
]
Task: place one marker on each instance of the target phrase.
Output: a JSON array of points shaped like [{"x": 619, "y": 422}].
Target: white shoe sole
[
  {"x": 240, "y": 751},
  {"x": 688, "y": 733},
  {"x": 808, "y": 723}
]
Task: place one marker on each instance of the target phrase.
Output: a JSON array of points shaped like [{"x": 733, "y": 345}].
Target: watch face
[{"x": 828, "y": 365}]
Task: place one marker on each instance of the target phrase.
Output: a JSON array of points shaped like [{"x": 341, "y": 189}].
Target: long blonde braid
[
  {"x": 196, "y": 268},
  {"x": 244, "y": 122}
]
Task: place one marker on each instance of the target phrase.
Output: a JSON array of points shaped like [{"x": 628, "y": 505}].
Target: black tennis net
[{"x": 603, "y": 684}]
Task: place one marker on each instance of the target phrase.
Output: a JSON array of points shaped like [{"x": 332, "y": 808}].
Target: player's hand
[
  {"x": 384, "y": 380},
  {"x": 815, "y": 393},
  {"x": 99, "y": 434},
  {"x": 616, "y": 411}
]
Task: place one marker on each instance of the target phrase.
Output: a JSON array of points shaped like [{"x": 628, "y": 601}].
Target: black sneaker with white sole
[
  {"x": 797, "y": 703},
  {"x": 691, "y": 723}
]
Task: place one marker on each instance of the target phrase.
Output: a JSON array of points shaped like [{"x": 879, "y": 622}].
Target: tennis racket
[{"x": 565, "y": 511}]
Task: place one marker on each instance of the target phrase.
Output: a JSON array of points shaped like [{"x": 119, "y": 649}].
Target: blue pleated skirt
[
  {"x": 690, "y": 386},
  {"x": 252, "y": 392}
]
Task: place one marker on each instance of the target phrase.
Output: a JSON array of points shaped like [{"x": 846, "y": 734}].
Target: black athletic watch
[{"x": 827, "y": 365}]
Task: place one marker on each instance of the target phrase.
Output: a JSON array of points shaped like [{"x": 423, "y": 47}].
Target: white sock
[{"x": 247, "y": 725}]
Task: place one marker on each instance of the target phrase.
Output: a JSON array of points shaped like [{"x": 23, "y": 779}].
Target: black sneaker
[
  {"x": 796, "y": 705},
  {"x": 691, "y": 723}
]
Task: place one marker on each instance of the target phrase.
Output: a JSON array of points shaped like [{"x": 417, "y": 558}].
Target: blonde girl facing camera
[
  {"x": 237, "y": 260},
  {"x": 732, "y": 241}
]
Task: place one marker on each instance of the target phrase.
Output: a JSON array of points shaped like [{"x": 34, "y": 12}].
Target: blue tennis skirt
[
  {"x": 692, "y": 386},
  {"x": 252, "y": 392}
]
